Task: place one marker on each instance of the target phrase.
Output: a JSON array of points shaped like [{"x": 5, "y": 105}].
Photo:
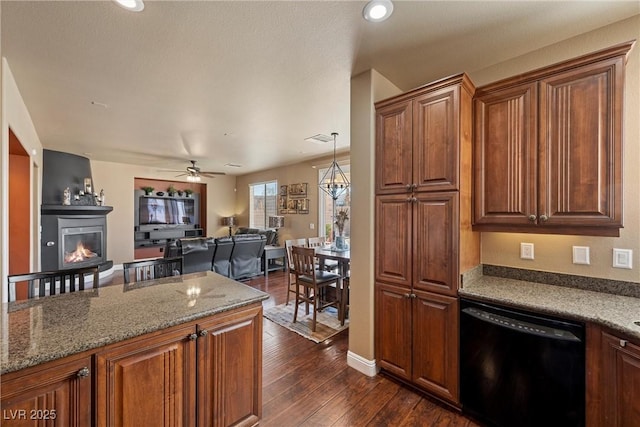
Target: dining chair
[
  {"x": 46, "y": 283},
  {"x": 319, "y": 242},
  {"x": 152, "y": 269},
  {"x": 292, "y": 288},
  {"x": 313, "y": 281}
]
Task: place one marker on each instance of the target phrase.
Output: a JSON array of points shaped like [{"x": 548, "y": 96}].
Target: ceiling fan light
[
  {"x": 377, "y": 10},
  {"x": 131, "y": 5}
]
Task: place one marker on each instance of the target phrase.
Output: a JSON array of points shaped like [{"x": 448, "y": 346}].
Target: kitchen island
[{"x": 182, "y": 350}]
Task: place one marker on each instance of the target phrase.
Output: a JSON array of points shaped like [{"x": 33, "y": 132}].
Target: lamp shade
[
  {"x": 276, "y": 221},
  {"x": 229, "y": 221}
]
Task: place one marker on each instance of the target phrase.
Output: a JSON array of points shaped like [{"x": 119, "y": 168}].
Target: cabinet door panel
[
  {"x": 52, "y": 394},
  {"x": 505, "y": 156},
  {"x": 148, "y": 381},
  {"x": 393, "y": 148},
  {"x": 435, "y": 344},
  {"x": 393, "y": 239},
  {"x": 435, "y": 242},
  {"x": 230, "y": 363},
  {"x": 393, "y": 329},
  {"x": 580, "y": 152},
  {"x": 621, "y": 394},
  {"x": 435, "y": 140}
]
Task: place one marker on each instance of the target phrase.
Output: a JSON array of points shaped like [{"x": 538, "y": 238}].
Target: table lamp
[
  {"x": 276, "y": 222},
  {"x": 229, "y": 221}
]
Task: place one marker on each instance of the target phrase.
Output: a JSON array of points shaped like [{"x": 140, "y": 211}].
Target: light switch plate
[
  {"x": 623, "y": 258},
  {"x": 526, "y": 251},
  {"x": 581, "y": 255}
]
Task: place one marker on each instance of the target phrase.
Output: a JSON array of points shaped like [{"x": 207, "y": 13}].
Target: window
[
  {"x": 263, "y": 203},
  {"x": 325, "y": 210}
]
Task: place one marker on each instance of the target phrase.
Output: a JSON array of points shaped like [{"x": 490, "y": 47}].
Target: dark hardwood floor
[{"x": 308, "y": 384}]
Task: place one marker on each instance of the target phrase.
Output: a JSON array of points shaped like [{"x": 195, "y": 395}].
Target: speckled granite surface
[
  {"x": 46, "y": 329},
  {"x": 618, "y": 312}
]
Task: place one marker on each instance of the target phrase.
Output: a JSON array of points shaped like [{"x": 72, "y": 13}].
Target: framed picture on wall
[
  {"x": 298, "y": 190},
  {"x": 292, "y": 206},
  {"x": 284, "y": 190},
  {"x": 282, "y": 204},
  {"x": 303, "y": 206}
]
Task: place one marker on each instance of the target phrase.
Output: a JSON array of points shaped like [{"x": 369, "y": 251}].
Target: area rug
[{"x": 327, "y": 323}]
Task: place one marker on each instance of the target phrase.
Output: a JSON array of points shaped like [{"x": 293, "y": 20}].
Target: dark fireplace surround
[{"x": 73, "y": 236}]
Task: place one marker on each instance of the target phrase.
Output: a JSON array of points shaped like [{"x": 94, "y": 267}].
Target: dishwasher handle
[{"x": 520, "y": 325}]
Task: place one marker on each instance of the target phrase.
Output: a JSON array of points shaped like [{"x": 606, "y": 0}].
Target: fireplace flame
[{"x": 80, "y": 254}]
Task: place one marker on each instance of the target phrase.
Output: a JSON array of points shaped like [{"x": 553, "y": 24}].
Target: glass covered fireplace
[{"x": 81, "y": 242}]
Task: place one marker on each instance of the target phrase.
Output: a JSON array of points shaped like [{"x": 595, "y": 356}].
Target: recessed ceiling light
[
  {"x": 132, "y": 5},
  {"x": 377, "y": 10}
]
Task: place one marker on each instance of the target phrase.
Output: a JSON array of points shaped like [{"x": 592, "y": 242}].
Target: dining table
[{"x": 343, "y": 257}]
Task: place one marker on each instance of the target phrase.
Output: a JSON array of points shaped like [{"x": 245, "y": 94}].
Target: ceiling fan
[{"x": 193, "y": 173}]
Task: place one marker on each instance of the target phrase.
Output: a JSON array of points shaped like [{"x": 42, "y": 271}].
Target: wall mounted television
[{"x": 158, "y": 212}]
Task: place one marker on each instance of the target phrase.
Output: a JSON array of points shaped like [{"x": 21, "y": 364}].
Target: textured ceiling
[{"x": 246, "y": 82}]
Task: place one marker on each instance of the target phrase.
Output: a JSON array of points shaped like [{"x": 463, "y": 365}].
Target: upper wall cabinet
[
  {"x": 548, "y": 148},
  {"x": 417, "y": 137}
]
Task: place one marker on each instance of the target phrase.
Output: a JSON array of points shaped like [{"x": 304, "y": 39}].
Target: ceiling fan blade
[
  {"x": 212, "y": 174},
  {"x": 182, "y": 174}
]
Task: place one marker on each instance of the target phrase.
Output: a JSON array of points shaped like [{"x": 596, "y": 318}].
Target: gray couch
[{"x": 237, "y": 257}]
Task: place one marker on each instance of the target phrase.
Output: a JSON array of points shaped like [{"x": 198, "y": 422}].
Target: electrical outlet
[
  {"x": 526, "y": 251},
  {"x": 623, "y": 258},
  {"x": 581, "y": 255},
  {"x": 312, "y": 226}
]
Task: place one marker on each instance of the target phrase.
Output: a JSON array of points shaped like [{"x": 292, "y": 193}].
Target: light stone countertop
[
  {"x": 614, "y": 311},
  {"x": 50, "y": 328}
]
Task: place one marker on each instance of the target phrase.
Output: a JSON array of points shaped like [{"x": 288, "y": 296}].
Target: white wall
[{"x": 16, "y": 116}]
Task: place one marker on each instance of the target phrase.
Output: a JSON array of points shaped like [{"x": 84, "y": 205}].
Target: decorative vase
[{"x": 341, "y": 243}]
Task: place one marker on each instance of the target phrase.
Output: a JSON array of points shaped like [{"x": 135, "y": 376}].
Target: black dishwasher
[{"x": 521, "y": 369}]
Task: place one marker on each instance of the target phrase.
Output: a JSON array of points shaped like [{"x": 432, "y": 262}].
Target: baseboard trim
[{"x": 359, "y": 363}]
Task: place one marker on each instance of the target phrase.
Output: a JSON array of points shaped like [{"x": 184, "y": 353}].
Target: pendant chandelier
[{"x": 334, "y": 182}]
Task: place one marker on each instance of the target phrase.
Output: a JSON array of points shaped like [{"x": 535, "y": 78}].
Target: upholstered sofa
[
  {"x": 237, "y": 257},
  {"x": 246, "y": 256}
]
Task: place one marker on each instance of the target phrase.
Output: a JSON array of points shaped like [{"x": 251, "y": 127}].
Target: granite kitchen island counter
[
  {"x": 614, "y": 311},
  {"x": 50, "y": 328}
]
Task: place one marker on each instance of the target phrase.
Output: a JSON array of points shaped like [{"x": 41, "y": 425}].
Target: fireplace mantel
[{"x": 74, "y": 210}]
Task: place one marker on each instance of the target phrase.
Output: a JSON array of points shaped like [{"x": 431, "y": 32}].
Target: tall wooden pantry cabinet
[{"x": 423, "y": 237}]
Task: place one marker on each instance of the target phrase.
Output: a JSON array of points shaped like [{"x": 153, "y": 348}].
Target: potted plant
[
  {"x": 180, "y": 193},
  {"x": 171, "y": 190},
  {"x": 147, "y": 190},
  {"x": 188, "y": 192}
]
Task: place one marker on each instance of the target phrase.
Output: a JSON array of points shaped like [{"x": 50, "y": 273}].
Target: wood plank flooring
[{"x": 308, "y": 384}]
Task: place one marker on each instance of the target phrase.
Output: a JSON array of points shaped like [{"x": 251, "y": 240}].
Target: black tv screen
[{"x": 156, "y": 210}]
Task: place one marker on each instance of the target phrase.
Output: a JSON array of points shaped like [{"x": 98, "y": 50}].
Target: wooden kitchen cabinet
[
  {"x": 613, "y": 379},
  {"x": 205, "y": 373},
  {"x": 417, "y": 338},
  {"x": 423, "y": 219},
  {"x": 548, "y": 148},
  {"x": 230, "y": 369},
  {"x": 420, "y": 250},
  {"x": 418, "y": 137},
  {"x": 55, "y": 393},
  {"x": 150, "y": 380}
]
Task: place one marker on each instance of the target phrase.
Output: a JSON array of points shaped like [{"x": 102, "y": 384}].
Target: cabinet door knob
[
  {"x": 203, "y": 333},
  {"x": 532, "y": 218},
  {"x": 544, "y": 218},
  {"x": 83, "y": 373},
  {"x": 407, "y": 295},
  {"x": 623, "y": 343},
  {"x": 414, "y": 296},
  {"x": 409, "y": 199},
  {"x": 409, "y": 187},
  {"x": 414, "y": 199},
  {"x": 414, "y": 186},
  {"x": 193, "y": 337}
]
